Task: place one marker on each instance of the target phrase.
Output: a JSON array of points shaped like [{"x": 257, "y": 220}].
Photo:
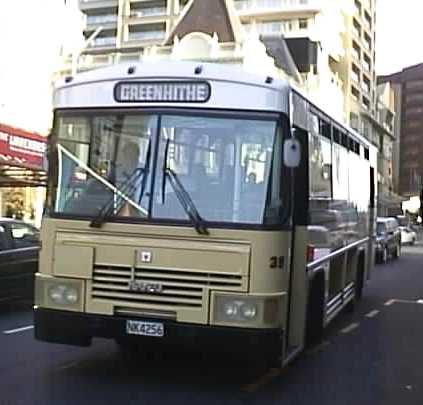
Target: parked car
[
  {"x": 388, "y": 239},
  {"x": 408, "y": 236},
  {"x": 19, "y": 247}
]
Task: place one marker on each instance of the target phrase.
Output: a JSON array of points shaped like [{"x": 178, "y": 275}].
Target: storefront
[{"x": 22, "y": 173}]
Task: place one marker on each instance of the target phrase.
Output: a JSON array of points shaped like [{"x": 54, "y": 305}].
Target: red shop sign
[{"x": 22, "y": 148}]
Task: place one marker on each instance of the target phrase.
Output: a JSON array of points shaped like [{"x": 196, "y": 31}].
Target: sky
[
  {"x": 31, "y": 35},
  {"x": 32, "y": 32},
  {"x": 399, "y": 30}
]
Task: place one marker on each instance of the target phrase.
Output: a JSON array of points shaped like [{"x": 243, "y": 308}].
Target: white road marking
[
  {"x": 350, "y": 328},
  {"x": 409, "y": 301},
  {"x": 400, "y": 301},
  {"x": 319, "y": 347},
  {"x": 23, "y": 329},
  {"x": 372, "y": 314}
]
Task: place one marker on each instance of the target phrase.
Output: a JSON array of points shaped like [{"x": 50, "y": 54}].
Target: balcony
[
  {"x": 107, "y": 21},
  {"x": 147, "y": 36},
  {"x": 87, "y": 5},
  {"x": 148, "y": 12},
  {"x": 103, "y": 42},
  {"x": 260, "y": 7}
]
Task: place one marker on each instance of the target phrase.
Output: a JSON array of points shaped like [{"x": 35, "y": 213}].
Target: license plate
[{"x": 145, "y": 328}]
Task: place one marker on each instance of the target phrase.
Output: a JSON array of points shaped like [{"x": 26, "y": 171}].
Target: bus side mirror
[{"x": 292, "y": 153}]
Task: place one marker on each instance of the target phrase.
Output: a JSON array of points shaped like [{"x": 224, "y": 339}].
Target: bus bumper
[{"x": 74, "y": 328}]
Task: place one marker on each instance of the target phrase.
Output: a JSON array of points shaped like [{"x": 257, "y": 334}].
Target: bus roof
[
  {"x": 173, "y": 70},
  {"x": 231, "y": 87}
]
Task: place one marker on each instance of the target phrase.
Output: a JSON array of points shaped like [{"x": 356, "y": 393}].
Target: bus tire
[{"x": 315, "y": 310}]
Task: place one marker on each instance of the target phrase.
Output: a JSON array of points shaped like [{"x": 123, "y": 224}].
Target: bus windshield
[{"x": 134, "y": 165}]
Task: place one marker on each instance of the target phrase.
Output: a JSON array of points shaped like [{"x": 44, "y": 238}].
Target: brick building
[{"x": 408, "y": 85}]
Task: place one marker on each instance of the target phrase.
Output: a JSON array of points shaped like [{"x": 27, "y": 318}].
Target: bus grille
[{"x": 180, "y": 289}]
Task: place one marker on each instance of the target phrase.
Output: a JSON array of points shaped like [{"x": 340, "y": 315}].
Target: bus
[{"x": 197, "y": 204}]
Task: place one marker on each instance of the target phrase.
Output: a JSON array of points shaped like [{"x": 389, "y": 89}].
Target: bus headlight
[
  {"x": 239, "y": 310},
  {"x": 236, "y": 309},
  {"x": 59, "y": 293},
  {"x": 249, "y": 311},
  {"x": 229, "y": 309},
  {"x": 63, "y": 295}
]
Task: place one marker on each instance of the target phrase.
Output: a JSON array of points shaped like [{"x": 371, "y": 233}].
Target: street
[{"x": 372, "y": 356}]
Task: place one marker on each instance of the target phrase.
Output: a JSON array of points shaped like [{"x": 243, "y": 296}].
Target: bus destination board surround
[{"x": 160, "y": 92}]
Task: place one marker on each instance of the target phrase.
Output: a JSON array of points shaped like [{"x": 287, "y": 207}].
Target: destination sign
[{"x": 162, "y": 92}]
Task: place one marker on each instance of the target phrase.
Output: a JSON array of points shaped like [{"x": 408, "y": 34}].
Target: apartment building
[
  {"x": 345, "y": 33},
  {"x": 408, "y": 86},
  {"x": 119, "y": 30},
  {"x": 386, "y": 129},
  {"x": 340, "y": 35}
]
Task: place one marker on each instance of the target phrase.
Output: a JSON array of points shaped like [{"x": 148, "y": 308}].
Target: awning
[{"x": 22, "y": 158}]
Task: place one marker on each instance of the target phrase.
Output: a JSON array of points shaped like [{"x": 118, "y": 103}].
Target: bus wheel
[{"x": 315, "y": 310}]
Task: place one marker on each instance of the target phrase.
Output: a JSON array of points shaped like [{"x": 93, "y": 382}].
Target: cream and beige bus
[{"x": 198, "y": 204}]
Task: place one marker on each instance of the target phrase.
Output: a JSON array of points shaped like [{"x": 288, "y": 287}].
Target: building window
[
  {"x": 411, "y": 98},
  {"x": 365, "y": 102},
  {"x": 355, "y": 73},
  {"x": 414, "y": 84},
  {"x": 147, "y": 11},
  {"x": 101, "y": 19},
  {"x": 357, "y": 6},
  {"x": 365, "y": 85},
  {"x": 413, "y": 124},
  {"x": 367, "y": 42},
  {"x": 103, "y": 41},
  {"x": 356, "y": 51},
  {"x": 414, "y": 111},
  {"x": 368, "y": 20},
  {"x": 367, "y": 63},
  {"x": 356, "y": 28},
  {"x": 355, "y": 94},
  {"x": 303, "y": 23},
  {"x": 270, "y": 27}
]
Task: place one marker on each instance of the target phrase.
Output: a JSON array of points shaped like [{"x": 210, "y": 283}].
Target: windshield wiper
[
  {"x": 183, "y": 196},
  {"x": 119, "y": 198},
  {"x": 125, "y": 193}
]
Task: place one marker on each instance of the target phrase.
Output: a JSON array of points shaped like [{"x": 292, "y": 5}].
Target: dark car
[
  {"x": 19, "y": 247},
  {"x": 388, "y": 239}
]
